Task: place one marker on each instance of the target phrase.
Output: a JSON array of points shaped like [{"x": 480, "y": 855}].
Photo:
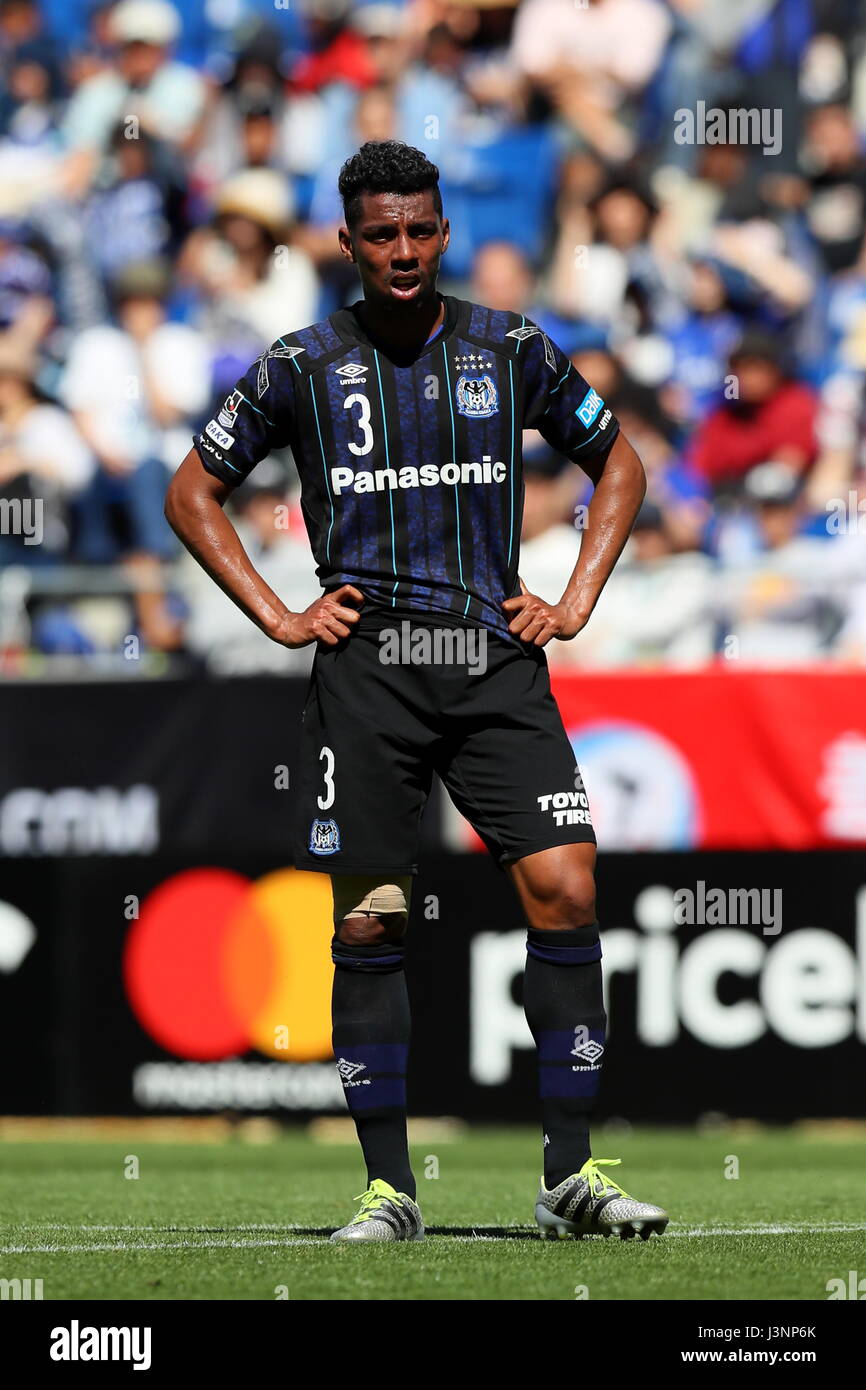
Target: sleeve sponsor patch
[
  {"x": 589, "y": 407},
  {"x": 219, "y": 435}
]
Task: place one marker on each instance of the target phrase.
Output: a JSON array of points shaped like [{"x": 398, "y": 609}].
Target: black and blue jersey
[{"x": 411, "y": 470}]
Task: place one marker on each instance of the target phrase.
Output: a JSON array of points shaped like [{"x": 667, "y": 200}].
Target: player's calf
[
  {"x": 563, "y": 998},
  {"x": 371, "y": 1025},
  {"x": 557, "y": 887}
]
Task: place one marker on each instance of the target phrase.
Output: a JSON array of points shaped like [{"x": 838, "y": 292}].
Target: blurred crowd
[{"x": 168, "y": 207}]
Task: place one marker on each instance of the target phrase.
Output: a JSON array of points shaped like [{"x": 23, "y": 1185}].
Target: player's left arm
[
  {"x": 619, "y": 490},
  {"x": 574, "y": 420}
]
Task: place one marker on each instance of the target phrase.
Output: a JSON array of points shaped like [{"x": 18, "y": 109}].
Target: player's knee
[
  {"x": 566, "y": 904},
  {"x": 368, "y": 912},
  {"x": 370, "y": 930}
]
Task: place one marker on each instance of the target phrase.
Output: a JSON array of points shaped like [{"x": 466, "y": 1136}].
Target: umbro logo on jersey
[
  {"x": 527, "y": 332},
  {"x": 351, "y": 373}
]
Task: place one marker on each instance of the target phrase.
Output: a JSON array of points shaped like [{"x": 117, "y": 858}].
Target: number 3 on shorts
[{"x": 324, "y": 802}]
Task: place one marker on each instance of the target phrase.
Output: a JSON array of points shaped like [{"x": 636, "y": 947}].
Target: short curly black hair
[{"x": 386, "y": 166}]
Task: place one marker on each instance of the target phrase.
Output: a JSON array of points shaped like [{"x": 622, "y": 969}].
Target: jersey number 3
[
  {"x": 363, "y": 422},
  {"x": 327, "y": 757}
]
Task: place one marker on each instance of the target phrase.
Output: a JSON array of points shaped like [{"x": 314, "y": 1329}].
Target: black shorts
[{"x": 374, "y": 733}]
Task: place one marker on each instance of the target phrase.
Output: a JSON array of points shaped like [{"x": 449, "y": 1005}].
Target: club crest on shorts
[
  {"x": 477, "y": 396},
  {"x": 324, "y": 837}
]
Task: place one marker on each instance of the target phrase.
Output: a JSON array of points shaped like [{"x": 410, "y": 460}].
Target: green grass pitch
[{"x": 239, "y": 1220}]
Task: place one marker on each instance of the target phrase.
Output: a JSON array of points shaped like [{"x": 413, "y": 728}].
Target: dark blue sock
[
  {"x": 563, "y": 1002},
  {"x": 371, "y": 1025}
]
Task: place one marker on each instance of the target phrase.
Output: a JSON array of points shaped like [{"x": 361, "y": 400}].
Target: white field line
[
  {"x": 195, "y": 1239},
  {"x": 135, "y": 1247},
  {"x": 172, "y": 1228}
]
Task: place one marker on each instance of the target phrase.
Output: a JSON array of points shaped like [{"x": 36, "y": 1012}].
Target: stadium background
[{"x": 167, "y": 207}]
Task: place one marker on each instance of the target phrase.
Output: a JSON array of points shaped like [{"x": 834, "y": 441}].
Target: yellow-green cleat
[
  {"x": 590, "y": 1204},
  {"x": 384, "y": 1214}
]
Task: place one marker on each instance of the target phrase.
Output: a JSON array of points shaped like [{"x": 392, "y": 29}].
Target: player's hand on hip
[
  {"x": 536, "y": 622},
  {"x": 326, "y": 620}
]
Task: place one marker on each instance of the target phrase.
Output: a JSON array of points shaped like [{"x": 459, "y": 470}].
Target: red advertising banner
[
  {"x": 721, "y": 759},
  {"x": 716, "y": 759}
]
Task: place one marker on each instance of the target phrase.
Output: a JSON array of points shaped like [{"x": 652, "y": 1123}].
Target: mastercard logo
[{"x": 217, "y": 964}]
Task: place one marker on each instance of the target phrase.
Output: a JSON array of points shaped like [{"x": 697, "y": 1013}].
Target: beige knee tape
[{"x": 354, "y": 896}]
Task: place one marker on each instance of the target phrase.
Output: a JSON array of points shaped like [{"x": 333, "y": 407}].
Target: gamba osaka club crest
[
  {"x": 324, "y": 837},
  {"x": 477, "y": 396}
]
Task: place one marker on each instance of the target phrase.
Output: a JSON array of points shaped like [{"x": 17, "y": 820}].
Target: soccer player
[{"x": 405, "y": 414}]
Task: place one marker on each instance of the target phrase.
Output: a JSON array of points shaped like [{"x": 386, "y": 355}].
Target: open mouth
[{"x": 405, "y": 286}]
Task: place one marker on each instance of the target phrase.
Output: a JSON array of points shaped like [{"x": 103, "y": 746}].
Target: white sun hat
[{"x": 145, "y": 21}]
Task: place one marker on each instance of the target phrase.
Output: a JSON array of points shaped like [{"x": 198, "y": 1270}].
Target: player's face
[{"x": 396, "y": 244}]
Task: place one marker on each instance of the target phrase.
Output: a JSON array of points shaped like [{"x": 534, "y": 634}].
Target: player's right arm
[
  {"x": 194, "y": 510},
  {"x": 256, "y": 418}
]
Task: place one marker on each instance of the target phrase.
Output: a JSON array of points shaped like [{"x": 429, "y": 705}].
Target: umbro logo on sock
[
  {"x": 349, "y": 1070},
  {"x": 588, "y": 1051}
]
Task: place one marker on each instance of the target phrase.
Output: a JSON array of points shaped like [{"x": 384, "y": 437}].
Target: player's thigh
[
  {"x": 364, "y": 767},
  {"x": 512, "y": 770}
]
